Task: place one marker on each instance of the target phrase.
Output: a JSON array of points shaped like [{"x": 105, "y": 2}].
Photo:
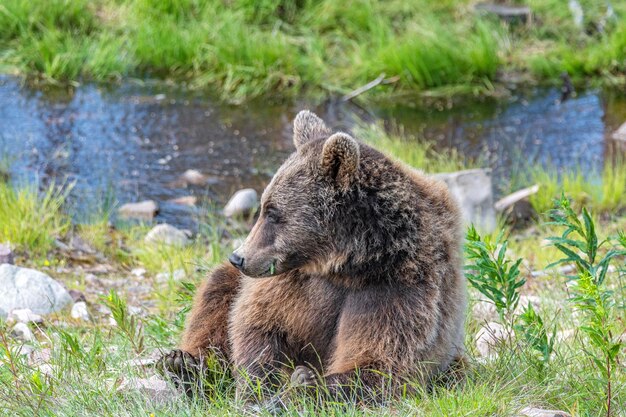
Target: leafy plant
[
  {"x": 496, "y": 277},
  {"x": 129, "y": 326},
  {"x": 590, "y": 294}
]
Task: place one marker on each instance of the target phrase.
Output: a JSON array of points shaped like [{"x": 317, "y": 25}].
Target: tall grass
[
  {"x": 243, "y": 49},
  {"x": 603, "y": 192},
  {"x": 30, "y": 219},
  {"x": 413, "y": 151}
]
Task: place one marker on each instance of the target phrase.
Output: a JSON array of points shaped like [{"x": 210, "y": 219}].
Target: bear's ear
[
  {"x": 340, "y": 159},
  {"x": 307, "y": 126}
]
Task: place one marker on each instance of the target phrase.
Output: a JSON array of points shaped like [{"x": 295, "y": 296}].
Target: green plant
[
  {"x": 494, "y": 276},
  {"x": 31, "y": 219},
  {"x": 590, "y": 294},
  {"x": 128, "y": 325}
]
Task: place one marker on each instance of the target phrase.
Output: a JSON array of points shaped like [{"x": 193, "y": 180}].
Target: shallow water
[{"x": 133, "y": 142}]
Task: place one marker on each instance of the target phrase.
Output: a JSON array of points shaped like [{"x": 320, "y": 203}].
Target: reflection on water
[{"x": 135, "y": 141}]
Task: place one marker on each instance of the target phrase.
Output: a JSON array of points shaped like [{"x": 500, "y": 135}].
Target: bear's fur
[{"x": 352, "y": 268}]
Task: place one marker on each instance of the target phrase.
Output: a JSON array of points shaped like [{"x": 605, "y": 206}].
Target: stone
[
  {"x": 77, "y": 296},
  {"x": 509, "y": 14},
  {"x": 154, "y": 388},
  {"x": 28, "y": 288},
  {"x": 144, "y": 210},
  {"x": 540, "y": 412},
  {"x": 484, "y": 310},
  {"x": 237, "y": 243},
  {"x": 177, "y": 275},
  {"x": 473, "y": 191},
  {"x": 80, "y": 311},
  {"x": 22, "y": 332},
  {"x": 489, "y": 338},
  {"x": 242, "y": 203},
  {"x": 188, "y": 200},
  {"x": 38, "y": 357},
  {"x": 193, "y": 177},
  {"x": 168, "y": 235},
  {"x": 24, "y": 315},
  {"x": 6, "y": 254},
  {"x": 620, "y": 133},
  {"x": 138, "y": 272}
]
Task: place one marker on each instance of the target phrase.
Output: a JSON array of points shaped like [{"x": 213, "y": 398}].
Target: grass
[
  {"x": 413, "y": 151},
  {"x": 30, "y": 219},
  {"x": 603, "y": 192},
  {"x": 90, "y": 360},
  {"x": 243, "y": 49}
]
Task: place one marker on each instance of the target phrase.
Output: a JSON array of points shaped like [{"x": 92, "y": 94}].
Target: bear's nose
[{"x": 236, "y": 260}]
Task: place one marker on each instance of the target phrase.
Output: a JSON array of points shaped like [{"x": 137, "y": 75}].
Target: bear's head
[{"x": 294, "y": 227}]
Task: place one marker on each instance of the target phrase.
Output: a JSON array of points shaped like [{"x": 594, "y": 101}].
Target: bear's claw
[
  {"x": 303, "y": 376},
  {"x": 184, "y": 369}
]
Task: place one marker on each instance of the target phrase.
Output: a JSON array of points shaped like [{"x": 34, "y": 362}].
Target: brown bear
[{"x": 352, "y": 271}]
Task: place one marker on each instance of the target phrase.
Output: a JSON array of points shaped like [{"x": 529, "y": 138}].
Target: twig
[{"x": 379, "y": 80}]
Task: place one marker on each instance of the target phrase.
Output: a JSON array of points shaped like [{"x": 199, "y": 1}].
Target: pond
[{"x": 132, "y": 142}]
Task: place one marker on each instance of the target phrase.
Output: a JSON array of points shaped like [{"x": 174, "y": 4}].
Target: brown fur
[{"x": 353, "y": 266}]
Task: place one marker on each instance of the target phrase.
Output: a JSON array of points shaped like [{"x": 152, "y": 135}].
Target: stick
[{"x": 364, "y": 88}]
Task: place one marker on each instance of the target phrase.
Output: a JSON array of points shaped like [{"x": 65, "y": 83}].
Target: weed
[{"x": 128, "y": 324}]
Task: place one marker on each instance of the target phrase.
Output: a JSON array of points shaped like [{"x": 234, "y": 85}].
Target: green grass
[
  {"x": 412, "y": 150},
  {"x": 30, "y": 219},
  {"x": 603, "y": 192},
  {"x": 285, "y": 48}
]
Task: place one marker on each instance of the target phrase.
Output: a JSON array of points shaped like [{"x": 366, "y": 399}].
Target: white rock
[
  {"x": 194, "y": 177},
  {"x": 24, "y": 315},
  {"x": 138, "y": 272},
  {"x": 484, "y": 310},
  {"x": 144, "y": 210},
  {"x": 237, "y": 243},
  {"x": 22, "y": 332},
  {"x": 242, "y": 203},
  {"x": 155, "y": 388},
  {"x": 473, "y": 191},
  {"x": 28, "y": 288},
  {"x": 6, "y": 254},
  {"x": 168, "y": 235},
  {"x": 178, "y": 275},
  {"x": 80, "y": 311},
  {"x": 489, "y": 338},
  {"x": 540, "y": 412}
]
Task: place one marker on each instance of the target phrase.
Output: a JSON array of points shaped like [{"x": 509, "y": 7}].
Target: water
[{"x": 133, "y": 142}]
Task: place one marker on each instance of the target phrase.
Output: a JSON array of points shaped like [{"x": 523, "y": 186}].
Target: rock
[
  {"x": 39, "y": 357},
  {"x": 22, "y": 332},
  {"x": 484, "y": 310},
  {"x": 620, "y": 133},
  {"x": 578, "y": 14},
  {"x": 177, "y": 275},
  {"x": 473, "y": 191},
  {"x": 24, "y": 315},
  {"x": 138, "y": 272},
  {"x": 509, "y": 14},
  {"x": 144, "y": 210},
  {"x": 77, "y": 295},
  {"x": 193, "y": 177},
  {"x": 6, "y": 254},
  {"x": 189, "y": 200},
  {"x": 28, "y": 288},
  {"x": 539, "y": 412},
  {"x": 168, "y": 235},
  {"x": 524, "y": 300},
  {"x": 517, "y": 205},
  {"x": 155, "y": 388},
  {"x": 489, "y": 338},
  {"x": 242, "y": 203},
  {"x": 79, "y": 311},
  {"x": 565, "y": 335}
]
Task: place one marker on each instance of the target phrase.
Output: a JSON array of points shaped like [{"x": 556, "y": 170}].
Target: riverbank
[
  {"x": 243, "y": 49},
  {"x": 134, "y": 292}
]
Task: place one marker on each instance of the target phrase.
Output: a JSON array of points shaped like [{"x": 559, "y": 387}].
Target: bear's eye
[{"x": 271, "y": 214}]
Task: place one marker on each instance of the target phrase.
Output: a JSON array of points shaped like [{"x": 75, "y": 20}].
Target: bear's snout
[{"x": 236, "y": 260}]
